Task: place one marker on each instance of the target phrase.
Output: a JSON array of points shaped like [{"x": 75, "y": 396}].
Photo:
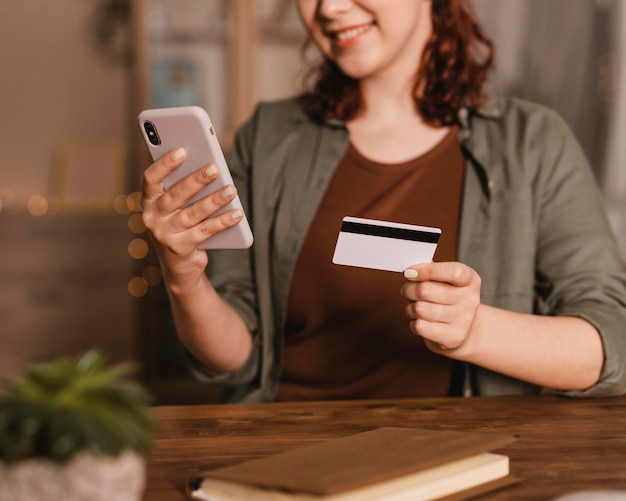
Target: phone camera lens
[{"x": 152, "y": 133}]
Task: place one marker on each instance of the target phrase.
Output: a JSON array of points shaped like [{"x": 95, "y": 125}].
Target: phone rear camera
[{"x": 152, "y": 133}]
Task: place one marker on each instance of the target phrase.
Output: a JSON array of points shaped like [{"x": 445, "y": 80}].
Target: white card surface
[{"x": 384, "y": 245}]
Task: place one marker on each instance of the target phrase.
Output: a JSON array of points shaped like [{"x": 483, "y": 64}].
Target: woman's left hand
[{"x": 443, "y": 301}]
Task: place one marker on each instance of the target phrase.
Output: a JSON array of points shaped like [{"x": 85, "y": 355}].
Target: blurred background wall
[
  {"x": 55, "y": 89},
  {"x": 64, "y": 264},
  {"x": 75, "y": 267},
  {"x": 570, "y": 56}
]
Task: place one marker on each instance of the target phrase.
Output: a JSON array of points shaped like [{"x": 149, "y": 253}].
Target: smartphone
[{"x": 190, "y": 127}]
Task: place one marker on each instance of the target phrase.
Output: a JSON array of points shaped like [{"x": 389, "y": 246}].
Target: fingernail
[
  {"x": 410, "y": 273},
  {"x": 236, "y": 214},
  {"x": 211, "y": 170},
  {"x": 227, "y": 192},
  {"x": 178, "y": 154}
]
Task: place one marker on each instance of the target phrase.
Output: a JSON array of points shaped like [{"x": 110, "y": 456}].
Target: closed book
[{"x": 384, "y": 464}]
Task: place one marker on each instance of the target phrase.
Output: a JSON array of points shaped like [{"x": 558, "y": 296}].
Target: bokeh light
[
  {"x": 138, "y": 248},
  {"x": 37, "y": 205},
  {"x": 120, "y": 204},
  {"x": 135, "y": 223},
  {"x": 133, "y": 201},
  {"x": 137, "y": 287}
]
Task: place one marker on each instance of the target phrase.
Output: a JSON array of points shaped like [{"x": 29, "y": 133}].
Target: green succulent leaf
[{"x": 69, "y": 405}]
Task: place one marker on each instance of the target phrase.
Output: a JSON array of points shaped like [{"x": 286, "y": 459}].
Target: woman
[{"x": 526, "y": 290}]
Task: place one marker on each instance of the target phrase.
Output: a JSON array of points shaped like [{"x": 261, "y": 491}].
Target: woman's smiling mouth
[{"x": 345, "y": 37}]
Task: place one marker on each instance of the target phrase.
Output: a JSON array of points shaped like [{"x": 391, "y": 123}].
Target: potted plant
[{"x": 74, "y": 429}]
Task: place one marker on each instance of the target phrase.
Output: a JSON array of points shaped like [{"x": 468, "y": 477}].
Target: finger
[
  {"x": 437, "y": 335},
  {"x": 215, "y": 225},
  {"x": 153, "y": 176},
  {"x": 431, "y": 312},
  {"x": 434, "y": 292},
  {"x": 436, "y": 332},
  {"x": 202, "y": 209},
  {"x": 451, "y": 272},
  {"x": 179, "y": 193}
]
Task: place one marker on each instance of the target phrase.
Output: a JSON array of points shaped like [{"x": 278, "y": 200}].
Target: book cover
[{"x": 390, "y": 462}]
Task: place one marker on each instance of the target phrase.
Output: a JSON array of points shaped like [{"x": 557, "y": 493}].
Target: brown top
[{"x": 347, "y": 335}]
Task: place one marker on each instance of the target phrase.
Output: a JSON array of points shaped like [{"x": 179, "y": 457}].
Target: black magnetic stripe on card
[{"x": 388, "y": 232}]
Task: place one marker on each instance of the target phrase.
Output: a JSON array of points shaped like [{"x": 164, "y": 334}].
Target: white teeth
[{"x": 351, "y": 33}]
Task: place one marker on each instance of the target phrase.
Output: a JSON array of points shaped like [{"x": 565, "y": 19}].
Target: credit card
[{"x": 384, "y": 245}]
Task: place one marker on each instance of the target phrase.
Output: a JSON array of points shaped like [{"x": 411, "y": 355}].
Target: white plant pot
[{"x": 85, "y": 478}]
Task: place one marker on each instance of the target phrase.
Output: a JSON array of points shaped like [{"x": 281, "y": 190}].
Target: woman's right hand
[
  {"x": 178, "y": 231},
  {"x": 200, "y": 315}
]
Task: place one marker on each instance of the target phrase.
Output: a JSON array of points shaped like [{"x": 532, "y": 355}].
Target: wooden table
[{"x": 563, "y": 445}]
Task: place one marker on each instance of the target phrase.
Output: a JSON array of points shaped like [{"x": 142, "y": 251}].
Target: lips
[{"x": 347, "y": 35}]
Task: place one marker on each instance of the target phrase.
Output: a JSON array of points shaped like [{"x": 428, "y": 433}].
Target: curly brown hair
[{"x": 452, "y": 72}]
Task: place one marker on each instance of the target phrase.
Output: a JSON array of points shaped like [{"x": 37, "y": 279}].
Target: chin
[{"x": 356, "y": 71}]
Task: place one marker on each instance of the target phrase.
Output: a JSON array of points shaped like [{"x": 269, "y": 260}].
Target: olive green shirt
[{"x": 532, "y": 225}]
